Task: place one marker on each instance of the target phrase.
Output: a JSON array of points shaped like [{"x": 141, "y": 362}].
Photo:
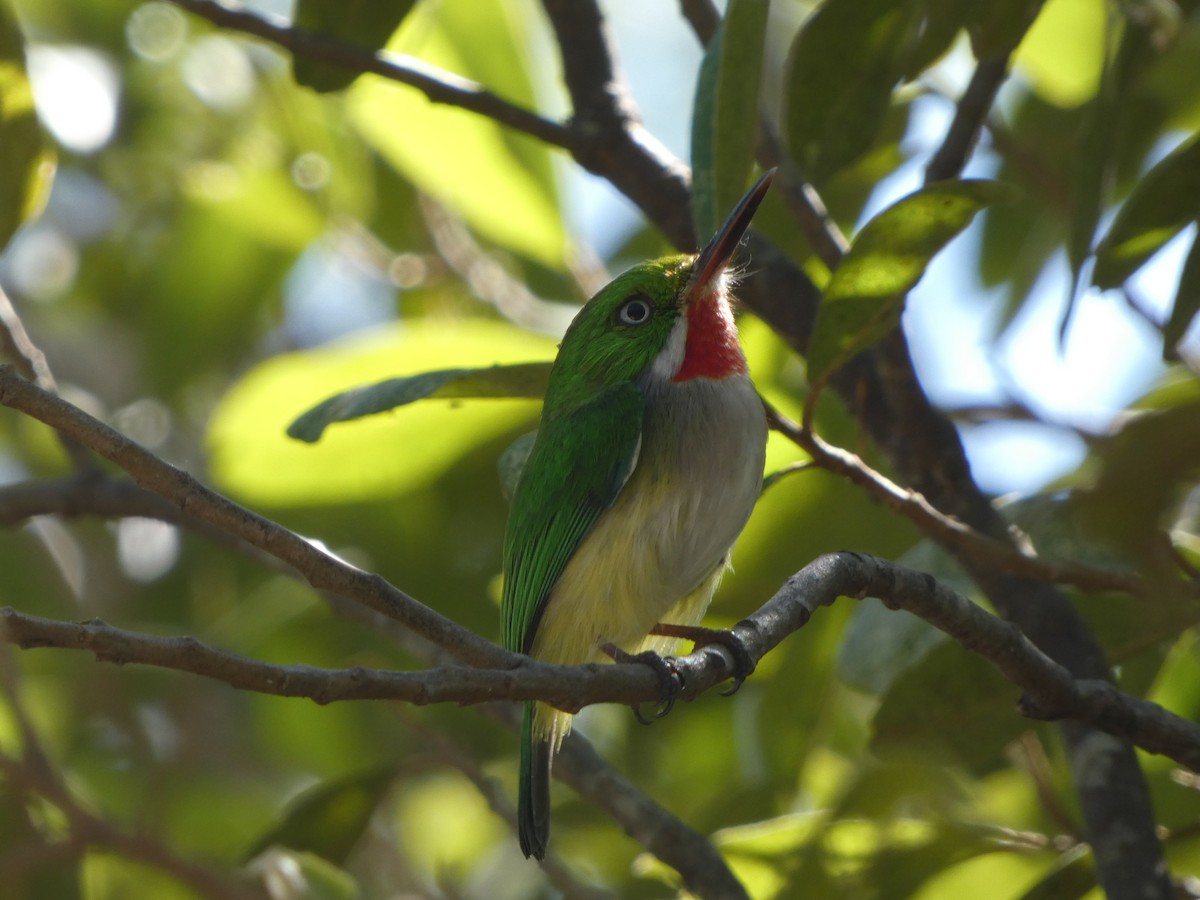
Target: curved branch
[
  {"x": 1050, "y": 691},
  {"x": 194, "y": 499},
  {"x": 965, "y": 542},
  {"x": 437, "y": 84}
]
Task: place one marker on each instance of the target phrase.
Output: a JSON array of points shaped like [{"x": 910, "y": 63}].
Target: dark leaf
[
  {"x": 1187, "y": 301},
  {"x": 952, "y": 706},
  {"x": 521, "y": 380},
  {"x": 328, "y": 819},
  {"x": 1165, "y": 201},
  {"x": 841, "y": 70},
  {"x": 366, "y": 24}
]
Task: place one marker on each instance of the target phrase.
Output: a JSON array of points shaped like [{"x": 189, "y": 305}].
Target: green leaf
[
  {"x": 865, "y": 297},
  {"x": 328, "y": 819},
  {"x": 381, "y": 456},
  {"x": 1165, "y": 200},
  {"x": 1062, "y": 54},
  {"x": 522, "y": 380},
  {"x": 725, "y": 120},
  {"x": 28, "y": 160},
  {"x": 1091, "y": 175},
  {"x": 879, "y": 645},
  {"x": 501, "y": 184},
  {"x": 952, "y": 706},
  {"x": 840, "y": 72},
  {"x": 1187, "y": 301},
  {"x": 1143, "y": 471},
  {"x": 366, "y": 24}
]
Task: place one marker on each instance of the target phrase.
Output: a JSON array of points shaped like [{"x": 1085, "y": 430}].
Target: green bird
[{"x": 647, "y": 463}]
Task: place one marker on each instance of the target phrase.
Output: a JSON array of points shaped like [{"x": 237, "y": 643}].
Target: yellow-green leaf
[
  {"x": 501, "y": 184},
  {"x": 1062, "y": 54},
  {"x": 28, "y": 165},
  {"x": 385, "y": 455},
  {"x": 866, "y": 294}
]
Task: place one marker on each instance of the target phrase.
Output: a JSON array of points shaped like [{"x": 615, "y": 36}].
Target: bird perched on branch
[{"x": 647, "y": 463}]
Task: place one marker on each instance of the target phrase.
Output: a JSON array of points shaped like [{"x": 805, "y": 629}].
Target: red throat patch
[{"x": 712, "y": 349}]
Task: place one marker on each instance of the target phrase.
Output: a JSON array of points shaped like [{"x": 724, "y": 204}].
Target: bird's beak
[{"x": 713, "y": 258}]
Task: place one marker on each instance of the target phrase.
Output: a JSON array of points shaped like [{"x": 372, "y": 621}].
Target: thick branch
[
  {"x": 1050, "y": 690},
  {"x": 615, "y": 143}
]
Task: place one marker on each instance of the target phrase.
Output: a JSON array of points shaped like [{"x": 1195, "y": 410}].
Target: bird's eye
[{"x": 635, "y": 311}]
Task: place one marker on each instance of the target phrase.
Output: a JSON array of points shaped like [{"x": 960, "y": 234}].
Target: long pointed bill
[{"x": 713, "y": 258}]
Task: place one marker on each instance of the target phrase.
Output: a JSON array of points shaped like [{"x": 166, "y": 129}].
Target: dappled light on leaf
[{"x": 253, "y": 457}]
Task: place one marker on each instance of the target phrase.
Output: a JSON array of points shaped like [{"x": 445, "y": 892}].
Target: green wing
[{"x": 578, "y": 464}]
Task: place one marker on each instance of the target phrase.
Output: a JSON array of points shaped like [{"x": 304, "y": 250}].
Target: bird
[{"x": 646, "y": 466}]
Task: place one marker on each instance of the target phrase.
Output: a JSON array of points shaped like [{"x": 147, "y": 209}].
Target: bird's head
[{"x": 667, "y": 319}]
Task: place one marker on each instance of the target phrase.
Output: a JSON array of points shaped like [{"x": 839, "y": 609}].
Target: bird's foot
[
  {"x": 669, "y": 679},
  {"x": 743, "y": 662}
]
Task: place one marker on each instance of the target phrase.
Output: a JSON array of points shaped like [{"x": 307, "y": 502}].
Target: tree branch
[
  {"x": 614, "y": 142},
  {"x": 1050, "y": 690},
  {"x": 192, "y": 498},
  {"x": 964, "y": 541},
  {"x": 437, "y": 84}
]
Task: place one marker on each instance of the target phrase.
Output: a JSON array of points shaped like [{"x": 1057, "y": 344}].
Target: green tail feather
[{"x": 533, "y": 804}]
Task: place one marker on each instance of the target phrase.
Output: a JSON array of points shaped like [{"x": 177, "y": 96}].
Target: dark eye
[{"x": 635, "y": 311}]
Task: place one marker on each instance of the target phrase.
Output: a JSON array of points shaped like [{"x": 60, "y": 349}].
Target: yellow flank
[{"x": 553, "y": 725}]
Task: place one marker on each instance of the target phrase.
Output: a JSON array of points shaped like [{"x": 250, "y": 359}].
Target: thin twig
[
  {"x": 34, "y": 774},
  {"x": 956, "y": 535},
  {"x": 437, "y": 84},
  {"x": 31, "y": 363},
  {"x": 184, "y": 491}
]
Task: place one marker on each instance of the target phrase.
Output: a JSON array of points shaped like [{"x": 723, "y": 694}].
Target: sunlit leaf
[
  {"x": 28, "y": 165},
  {"x": 996, "y": 28},
  {"x": 1165, "y": 200},
  {"x": 252, "y": 457},
  {"x": 1187, "y": 301},
  {"x": 841, "y": 69},
  {"x": 865, "y": 297},
  {"x": 500, "y": 183},
  {"x": 328, "y": 819},
  {"x": 526, "y": 380},
  {"x": 1062, "y": 54},
  {"x": 725, "y": 117},
  {"x": 366, "y": 24}
]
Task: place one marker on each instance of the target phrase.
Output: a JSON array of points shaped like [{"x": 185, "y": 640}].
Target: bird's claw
[
  {"x": 669, "y": 679},
  {"x": 743, "y": 662}
]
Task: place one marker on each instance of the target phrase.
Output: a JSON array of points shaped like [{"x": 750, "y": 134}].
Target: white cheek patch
[{"x": 670, "y": 358}]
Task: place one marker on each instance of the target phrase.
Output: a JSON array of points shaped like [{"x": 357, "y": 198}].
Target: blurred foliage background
[{"x": 220, "y": 248}]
